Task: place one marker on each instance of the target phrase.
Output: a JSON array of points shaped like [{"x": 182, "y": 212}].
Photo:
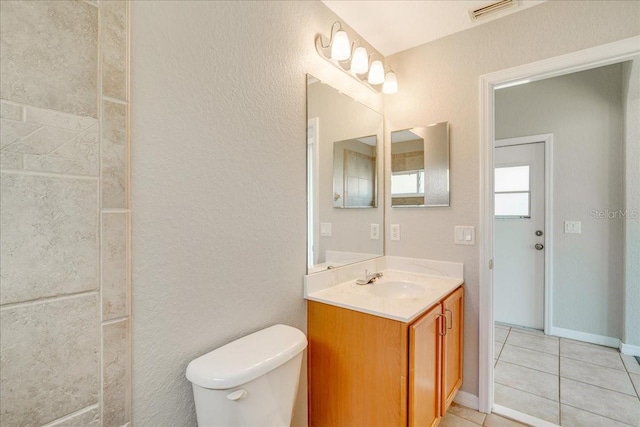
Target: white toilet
[{"x": 252, "y": 381}]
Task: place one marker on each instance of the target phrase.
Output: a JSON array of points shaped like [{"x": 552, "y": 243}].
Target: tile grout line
[
  {"x": 49, "y": 174},
  {"x": 527, "y": 392},
  {"x": 595, "y": 413},
  {"x": 637, "y": 390},
  {"x": 47, "y": 299}
]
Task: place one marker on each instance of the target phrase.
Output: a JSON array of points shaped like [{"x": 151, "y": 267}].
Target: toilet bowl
[{"x": 252, "y": 381}]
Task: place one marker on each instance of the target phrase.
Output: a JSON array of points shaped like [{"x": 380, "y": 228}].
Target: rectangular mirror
[
  {"x": 420, "y": 166},
  {"x": 344, "y": 173}
]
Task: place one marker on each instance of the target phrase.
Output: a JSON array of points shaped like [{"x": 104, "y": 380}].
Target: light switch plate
[
  {"x": 395, "y": 232},
  {"x": 325, "y": 229},
  {"x": 573, "y": 227},
  {"x": 464, "y": 235},
  {"x": 375, "y": 231}
]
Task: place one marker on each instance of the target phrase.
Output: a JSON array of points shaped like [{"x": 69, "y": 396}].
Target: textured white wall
[
  {"x": 631, "y": 97},
  {"x": 218, "y": 183},
  {"x": 584, "y": 113},
  {"x": 439, "y": 81}
]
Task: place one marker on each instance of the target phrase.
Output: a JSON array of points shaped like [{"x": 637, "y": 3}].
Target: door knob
[{"x": 539, "y": 246}]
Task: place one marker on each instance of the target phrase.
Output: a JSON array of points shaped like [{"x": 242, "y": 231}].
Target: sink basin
[{"x": 397, "y": 290}]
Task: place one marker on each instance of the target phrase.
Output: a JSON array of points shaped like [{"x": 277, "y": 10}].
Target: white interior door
[{"x": 519, "y": 235}]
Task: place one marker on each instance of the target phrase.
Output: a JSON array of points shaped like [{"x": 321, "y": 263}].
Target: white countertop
[{"x": 359, "y": 297}]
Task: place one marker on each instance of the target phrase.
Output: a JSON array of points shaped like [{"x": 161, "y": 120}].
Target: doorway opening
[{"x": 571, "y": 63}]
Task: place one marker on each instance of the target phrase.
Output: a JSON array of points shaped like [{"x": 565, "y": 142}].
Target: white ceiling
[{"x": 391, "y": 26}]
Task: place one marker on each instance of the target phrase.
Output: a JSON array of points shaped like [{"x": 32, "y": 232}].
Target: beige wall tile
[
  {"x": 89, "y": 417},
  {"x": 57, "y": 119},
  {"x": 10, "y": 160},
  {"x": 49, "y": 54},
  {"x": 113, "y": 47},
  {"x": 114, "y": 265},
  {"x": 114, "y": 155},
  {"x": 115, "y": 410},
  {"x": 10, "y": 111},
  {"x": 11, "y": 131},
  {"x": 49, "y": 236},
  {"x": 84, "y": 147},
  {"x": 42, "y": 141},
  {"x": 49, "y": 359},
  {"x": 60, "y": 165}
]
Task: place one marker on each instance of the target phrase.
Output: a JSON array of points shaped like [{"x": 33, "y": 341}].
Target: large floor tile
[
  {"x": 530, "y": 331},
  {"x": 466, "y": 413},
  {"x": 574, "y": 417},
  {"x": 450, "y": 420},
  {"x": 530, "y": 359},
  {"x": 500, "y": 334},
  {"x": 49, "y": 359},
  {"x": 600, "y": 376},
  {"x": 631, "y": 364},
  {"x": 526, "y": 379},
  {"x": 527, "y": 403},
  {"x": 618, "y": 406},
  {"x": 544, "y": 344},
  {"x": 49, "y": 239},
  {"x": 494, "y": 420},
  {"x": 602, "y": 356}
]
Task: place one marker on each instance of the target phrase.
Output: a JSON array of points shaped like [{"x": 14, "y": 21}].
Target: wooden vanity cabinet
[{"x": 366, "y": 370}]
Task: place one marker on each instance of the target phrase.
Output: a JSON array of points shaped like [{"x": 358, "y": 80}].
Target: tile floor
[
  {"x": 460, "y": 416},
  {"x": 566, "y": 382}
]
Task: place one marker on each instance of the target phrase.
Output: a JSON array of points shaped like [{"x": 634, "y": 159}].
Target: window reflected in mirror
[{"x": 420, "y": 166}]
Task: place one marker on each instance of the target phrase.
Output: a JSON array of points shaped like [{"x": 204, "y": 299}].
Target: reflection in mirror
[
  {"x": 343, "y": 171},
  {"x": 354, "y": 173},
  {"x": 420, "y": 166}
]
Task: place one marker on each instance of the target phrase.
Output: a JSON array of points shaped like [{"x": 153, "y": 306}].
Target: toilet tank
[{"x": 252, "y": 381}]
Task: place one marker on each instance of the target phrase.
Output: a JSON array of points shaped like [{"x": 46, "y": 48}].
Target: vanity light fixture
[{"x": 354, "y": 61}]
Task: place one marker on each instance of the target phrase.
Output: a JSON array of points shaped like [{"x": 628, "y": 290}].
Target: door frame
[
  {"x": 547, "y": 140},
  {"x": 598, "y": 56}
]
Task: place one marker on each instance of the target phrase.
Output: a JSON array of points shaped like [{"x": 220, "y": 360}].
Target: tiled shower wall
[{"x": 64, "y": 211}]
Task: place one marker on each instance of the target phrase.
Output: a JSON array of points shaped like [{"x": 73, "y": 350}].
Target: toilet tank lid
[{"x": 246, "y": 358}]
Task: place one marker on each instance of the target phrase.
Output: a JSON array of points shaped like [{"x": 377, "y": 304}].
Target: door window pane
[
  {"x": 512, "y": 205},
  {"x": 512, "y": 178}
]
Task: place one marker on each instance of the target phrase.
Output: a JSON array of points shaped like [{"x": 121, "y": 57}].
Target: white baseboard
[
  {"x": 521, "y": 417},
  {"x": 586, "y": 337},
  {"x": 631, "y": 350},
  {"x": 467, "y": 399}
]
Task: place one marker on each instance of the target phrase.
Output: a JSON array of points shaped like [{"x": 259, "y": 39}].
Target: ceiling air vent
[{"x": 483, "y": 11}]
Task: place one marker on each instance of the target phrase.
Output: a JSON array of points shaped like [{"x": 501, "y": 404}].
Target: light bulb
[
  {"x": 360, "y": 61},
  {"x": 376, "y": 73},
  {"x": 340, "y": 48},
  {"x": 390, "y": 85}
]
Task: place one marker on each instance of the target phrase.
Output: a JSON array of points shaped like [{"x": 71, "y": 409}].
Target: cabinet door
[
  {"x": 453, "y": 307},
  {"x": 425, "y": 351}
]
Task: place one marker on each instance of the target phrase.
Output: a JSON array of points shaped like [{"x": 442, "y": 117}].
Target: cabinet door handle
[
  {"x": 443, "y": 330},
  {"x": 451, "y": 326}
]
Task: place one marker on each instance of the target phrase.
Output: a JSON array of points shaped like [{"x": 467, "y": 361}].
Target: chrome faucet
[{"x": 368, "y": 278}]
